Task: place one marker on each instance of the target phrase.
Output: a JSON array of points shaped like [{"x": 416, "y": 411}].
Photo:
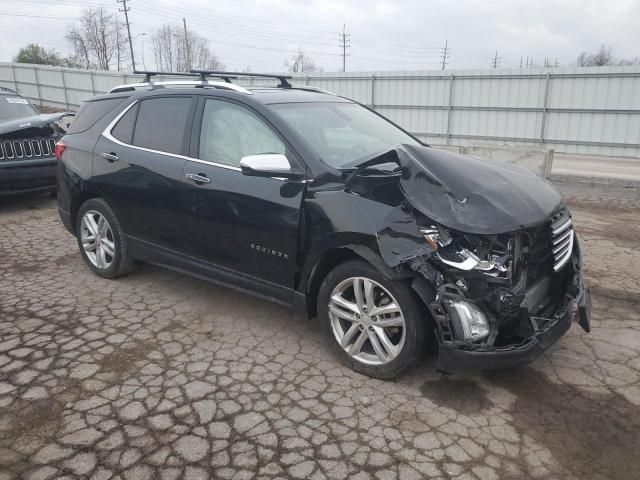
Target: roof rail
[
  {"x": 311, "y": 88},
  {"x": 193, "y": 83},
  {"x": 212, "y": 73}
]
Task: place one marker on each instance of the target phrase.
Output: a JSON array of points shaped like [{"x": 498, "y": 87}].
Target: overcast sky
[{"x": 384, "y": 34}]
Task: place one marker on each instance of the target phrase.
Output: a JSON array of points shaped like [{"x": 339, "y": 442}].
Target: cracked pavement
[{"x": 158, "y": 375}]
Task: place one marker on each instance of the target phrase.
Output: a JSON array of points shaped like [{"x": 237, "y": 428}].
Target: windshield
[
  {"x": 14, "y": 108},
  {"x": 342, "y": 133}
]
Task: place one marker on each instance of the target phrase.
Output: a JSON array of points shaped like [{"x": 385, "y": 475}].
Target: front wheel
[
  {"x": 101, "y": 239},
  {"x": 375, "y": 325}
]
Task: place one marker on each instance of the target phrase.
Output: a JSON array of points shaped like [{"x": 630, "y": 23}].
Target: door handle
[
  {"x": 198, "y": 177},
  {"x": 112, "y": 157}
]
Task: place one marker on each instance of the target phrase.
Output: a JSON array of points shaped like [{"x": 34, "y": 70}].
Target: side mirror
[{"x": 267, "y": 165}]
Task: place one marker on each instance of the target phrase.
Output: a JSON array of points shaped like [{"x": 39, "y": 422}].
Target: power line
[
  {"x": 445, "y": 53},
  {"x": 345, "y": 43},
  {"x": 12, "y": 14},
  {"x": 126, "y": 9}
]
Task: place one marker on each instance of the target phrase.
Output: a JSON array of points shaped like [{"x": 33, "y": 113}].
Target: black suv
[
  {"x": 27, "y": 142},
  {"x": 316, "y": 202}
]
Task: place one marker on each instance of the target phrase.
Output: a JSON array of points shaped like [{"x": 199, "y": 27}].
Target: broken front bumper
[{"x": 454, "y": 356}]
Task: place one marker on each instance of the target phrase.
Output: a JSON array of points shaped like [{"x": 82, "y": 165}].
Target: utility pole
[
  {"x": 495, "y": 62},
  {"x": 344, "y": 43},
  {"x": 118, "y": 43},
  {"x": 125, "y": 9},
  {"x": 445, "y": 53},
  {"x": 187, "y": 49},
  {"x": 556, "y": 64}
]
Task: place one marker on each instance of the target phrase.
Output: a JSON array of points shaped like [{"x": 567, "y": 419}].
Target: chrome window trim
[{"x": 107, "y": 134}]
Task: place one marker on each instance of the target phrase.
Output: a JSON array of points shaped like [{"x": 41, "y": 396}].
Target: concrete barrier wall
[{"x": 538, "y": 160}]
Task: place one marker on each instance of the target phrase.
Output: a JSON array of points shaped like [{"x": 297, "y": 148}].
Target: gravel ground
[{"x": 158, "y": 375}]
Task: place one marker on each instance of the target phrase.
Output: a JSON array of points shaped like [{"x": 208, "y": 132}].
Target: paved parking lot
[{"x": 158, "y": 375}]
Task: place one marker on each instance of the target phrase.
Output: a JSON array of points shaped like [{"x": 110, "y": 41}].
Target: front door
[{"x": 244, "y": 224}]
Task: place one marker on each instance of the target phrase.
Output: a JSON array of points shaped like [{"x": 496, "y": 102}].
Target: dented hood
[
  {"x": 474, "y": 195},
  {"x": 32, "y": 122}
]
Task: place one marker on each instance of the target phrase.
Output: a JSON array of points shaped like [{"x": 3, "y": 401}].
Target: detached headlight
[
  {"x": 468, "y": 319},
  {"x": 456, "y": 252}
]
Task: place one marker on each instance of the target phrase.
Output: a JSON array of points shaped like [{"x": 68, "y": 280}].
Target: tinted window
[
  {"x": 13, "y": 108},
  {"x": 230, "y": 132},
  {"x": 91, "y": 112},
  {"x": 123, "y": 130},
  {"x": 161, "y": 123}
]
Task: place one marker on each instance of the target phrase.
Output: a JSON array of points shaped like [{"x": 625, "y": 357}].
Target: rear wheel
[
  {"x": 102, "y": 242},
  {"x": 375, "y": 325}
]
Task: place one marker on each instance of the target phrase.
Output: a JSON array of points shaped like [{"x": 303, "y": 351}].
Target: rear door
[
  {"x": 246, "y": 224},
  {"x": 139, "y": 164}
]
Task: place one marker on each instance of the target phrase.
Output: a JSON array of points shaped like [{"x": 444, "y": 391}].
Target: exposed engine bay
[{"x": 497, "y": 270}]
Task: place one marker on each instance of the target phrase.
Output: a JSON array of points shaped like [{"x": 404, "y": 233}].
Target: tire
[
  {"x": 117, "y": 260},
  {"x": 408, "y": 341}
]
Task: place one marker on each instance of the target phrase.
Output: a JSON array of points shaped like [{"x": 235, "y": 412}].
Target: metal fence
[{"x": 572, "y": 110}]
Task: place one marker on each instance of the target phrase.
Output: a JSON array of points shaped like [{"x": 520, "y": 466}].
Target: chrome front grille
[
  {"x": 562, "y": 241},
  {"x": 28, "y": 148}
]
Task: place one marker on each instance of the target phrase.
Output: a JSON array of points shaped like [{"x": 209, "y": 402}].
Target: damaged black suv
[{"x": 318, "y": 203}]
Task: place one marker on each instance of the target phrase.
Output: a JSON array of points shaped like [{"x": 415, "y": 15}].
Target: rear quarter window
[
  {"x": 92, "y": 111},
  {"x": 123, "y": 130}
]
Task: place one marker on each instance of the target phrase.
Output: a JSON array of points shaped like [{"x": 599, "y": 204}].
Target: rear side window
[
  {"x": 123, "y": 130},
  {"x": 161, "y": 123},
  {"x": 91, "y": 112}
]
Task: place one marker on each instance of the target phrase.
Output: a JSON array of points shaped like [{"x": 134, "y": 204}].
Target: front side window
[
  {"x": 342, "y": 133},
  {"x": 230, "y": 132},
  {"x": 161, "y": 123}
]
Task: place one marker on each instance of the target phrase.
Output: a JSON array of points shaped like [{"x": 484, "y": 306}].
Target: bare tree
[
  {"x": 178, "y": 51},
  {"x": 300, "y": 63},
  {"x": 98, "y": 39},
  {"x": 604, "y": 56}
]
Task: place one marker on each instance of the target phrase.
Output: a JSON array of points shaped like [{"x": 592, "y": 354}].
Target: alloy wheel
[
  {"x": 367, "y": 321},
  {"x": 97, "y": 239}
]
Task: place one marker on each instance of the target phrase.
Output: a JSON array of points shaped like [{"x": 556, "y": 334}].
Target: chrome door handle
[
  {"x": 198, "y": 178},
  {"x": 112, "y": 157}
]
